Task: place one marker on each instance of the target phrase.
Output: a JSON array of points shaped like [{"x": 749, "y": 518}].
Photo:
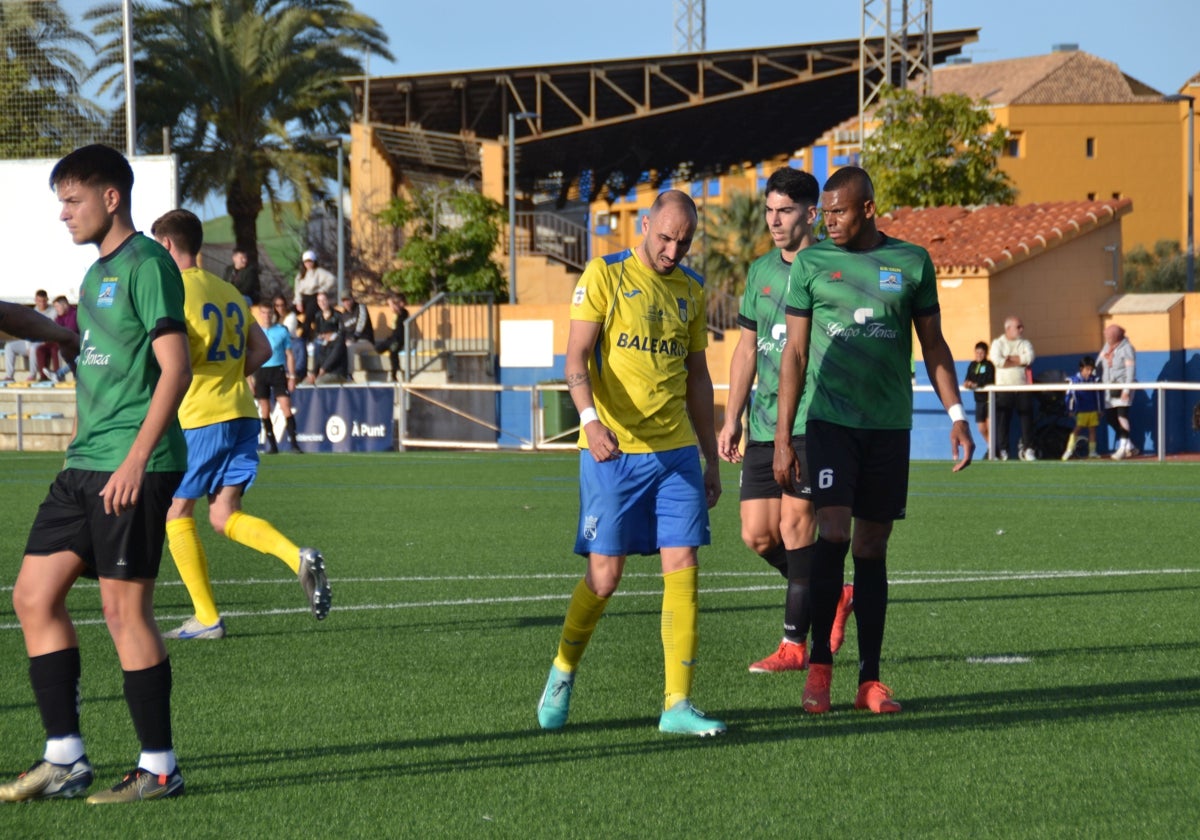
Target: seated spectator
[
  {"x": 357, "y": 327},
  {"x": 47, "y": 354},
  {"x": 244, "y": 276},
  {"x": 28, "y": 349},
  {"x": 393, "y": 344},
  {"x": 292, "y": 318},
  {"x": 329, "y": 344}
]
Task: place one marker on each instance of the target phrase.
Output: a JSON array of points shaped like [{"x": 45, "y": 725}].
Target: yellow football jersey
[
  {"x": 638, "y": 373},
  {"x": 218, "y": 322}
]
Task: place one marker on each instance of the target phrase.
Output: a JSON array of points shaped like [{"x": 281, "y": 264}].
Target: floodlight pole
[
  {"x": 512, "y": 200},
  {"x": 130, "y": 103}
]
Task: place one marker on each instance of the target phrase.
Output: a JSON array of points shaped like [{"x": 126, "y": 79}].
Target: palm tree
[
  {"x": 40, "y": 74},
  {"x": 246, "y": 88},
  {"x": 735, "y": 235}
]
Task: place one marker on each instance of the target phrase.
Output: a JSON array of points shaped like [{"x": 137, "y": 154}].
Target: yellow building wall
[
  {"x": 1140, "y": 152},
  {"x": 372, "y": 187}
]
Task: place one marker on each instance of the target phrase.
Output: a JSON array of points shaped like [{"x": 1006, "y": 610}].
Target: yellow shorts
[{"x": 1087, "y": 420}]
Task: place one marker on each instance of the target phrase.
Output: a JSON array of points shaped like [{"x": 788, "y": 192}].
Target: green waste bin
[{"x": 558, "y": 411}]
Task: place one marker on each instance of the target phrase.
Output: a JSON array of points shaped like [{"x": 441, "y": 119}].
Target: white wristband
[
  {"x": 587, "y": 416},
  {"x": 956, "y": 413}
]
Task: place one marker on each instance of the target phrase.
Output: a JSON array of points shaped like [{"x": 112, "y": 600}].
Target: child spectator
[
  {"x": 980, "y": 374},
  {"x": 1085, "y": 405}
]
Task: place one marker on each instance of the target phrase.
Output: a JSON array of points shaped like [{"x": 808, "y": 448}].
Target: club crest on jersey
[
  {"x": 682, "y": 309},
  {"x": 107, "y": 294},
  {"x": 890, "y": 280},
  {"x": 590, "y": 525}
]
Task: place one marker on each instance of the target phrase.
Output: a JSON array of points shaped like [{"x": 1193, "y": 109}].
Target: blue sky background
[{"x": 1151, "y": 40}]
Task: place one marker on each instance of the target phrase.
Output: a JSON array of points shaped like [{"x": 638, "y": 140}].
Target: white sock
[
  {"x": 66, "y": 750},
  {"x": 158, "y": 763}
]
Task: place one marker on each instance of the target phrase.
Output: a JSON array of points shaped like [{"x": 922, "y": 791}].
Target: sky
[{"x": 1152, "y": 40}]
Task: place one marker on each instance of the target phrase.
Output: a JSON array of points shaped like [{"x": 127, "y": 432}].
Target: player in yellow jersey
[
  {"x": 220, "y": 422},
  {"x": 637, "y": 372}
]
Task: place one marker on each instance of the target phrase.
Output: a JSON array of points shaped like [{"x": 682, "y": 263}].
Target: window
[
  {"x": 1091, "y": 196},
  {"x": 1013, "y": 147},
  {"x": 1091, "y": 147}
]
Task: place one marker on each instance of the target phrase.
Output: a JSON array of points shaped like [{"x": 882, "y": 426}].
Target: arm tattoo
[{"x": 576, "y": 379}]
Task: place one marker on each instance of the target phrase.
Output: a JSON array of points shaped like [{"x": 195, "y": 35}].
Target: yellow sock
[
  {"x": 262, "y": 536},
  {"x": 188, "y": 553},
  {"x": 582, "y": 617},
  {"x": 679, "y": 638}
]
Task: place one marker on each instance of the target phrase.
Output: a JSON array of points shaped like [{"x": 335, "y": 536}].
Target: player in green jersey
[
  {"x": 853, "y": 302},
  {"x": 105, "y": 514},
  {"x": 780, "y": 527}
]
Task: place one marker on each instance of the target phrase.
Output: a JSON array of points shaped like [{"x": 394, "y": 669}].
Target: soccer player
[
  {"x": 780, "y": 527},
  {"x": 103, "y": 516},
  {"x": 220, "y": 422},
  {"x": 637, "y": 373},
  {"x": 853, "y": 301},
  {"x": 277, "y": 376}
]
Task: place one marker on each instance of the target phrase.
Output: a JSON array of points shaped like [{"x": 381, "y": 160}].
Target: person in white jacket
[
  {"x": 1012, "y": 354},
  {"x": 1117, "y": 362}
]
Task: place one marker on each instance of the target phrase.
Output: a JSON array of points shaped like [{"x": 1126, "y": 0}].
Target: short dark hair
[
  {"x": 854, "y": 177},
  {"x": 981, "y": 345},
  {"x": 1087, "y": 361},
  {"x": 796, "y": 184},
  {"x": 95, "y": 165},
  {"x": 62, "y": 299},
  {"x": 183, "y": 227}
]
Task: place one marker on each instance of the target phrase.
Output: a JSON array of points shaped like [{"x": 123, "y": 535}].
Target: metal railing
[
  {"x": 550, "y": 235},
  {"x": 449, "y": 323}
]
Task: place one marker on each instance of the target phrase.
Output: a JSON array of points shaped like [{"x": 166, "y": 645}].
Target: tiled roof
[
  {"x": 1060, "y": 78},
  {"x": 995, "y": 237}
]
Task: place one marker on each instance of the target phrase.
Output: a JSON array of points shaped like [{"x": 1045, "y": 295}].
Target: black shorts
[
  {"x": 270, "y": 380},
  {"x": 865, "y": 470},
  {"x": 125, "y": 547},
  {"x": 981, "y": 410},
  {"x": 757, "y": 480}
]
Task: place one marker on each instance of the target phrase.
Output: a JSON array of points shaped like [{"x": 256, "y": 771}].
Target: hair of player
[
  {"x": 183, "y": 227},
  {"x": 95, "y": 165},
  {"x": 852, "y": 177},
  {"x": 981, "y": 345},
  {"x": 796, "y": 184}
]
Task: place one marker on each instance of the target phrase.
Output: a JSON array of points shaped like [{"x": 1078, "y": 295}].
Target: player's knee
[{"x": 757, "y": 542}]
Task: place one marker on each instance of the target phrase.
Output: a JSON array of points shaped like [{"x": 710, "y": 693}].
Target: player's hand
[
  {"x": 124, "y": 486},
  {"x": 785, "y": 466},
  {"x": 728, "y": 440},
  {"x": 712, "y": 482},
  {"x": 962, "y": 444},
  {"x": 602, "y": 443}
]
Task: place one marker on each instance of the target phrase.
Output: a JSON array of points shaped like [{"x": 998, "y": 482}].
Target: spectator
[
  {"x": 26, "y": 347},
  {"x": 311, "y": 280},
  {"x": 1085, "y": 405},
  {"x": 292, "y": 318},
  {"x": 393, "y": 345},
  {"x": 329, "y": 345},
  {"x": 244, "y": 276},
  {"x": 1117, "y": 363},
  {"x": 358, "y": 330},
  {"x": 47, "y": 354},
  {"x": 1012, "y": 354},
  {"x": 980, "y": 374}
]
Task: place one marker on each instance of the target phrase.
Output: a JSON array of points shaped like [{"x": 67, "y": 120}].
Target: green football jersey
[
  {"x": 862, "y": 305},
  {"x": 125, "y": 299},
  {"x": 762, "y": 310}
]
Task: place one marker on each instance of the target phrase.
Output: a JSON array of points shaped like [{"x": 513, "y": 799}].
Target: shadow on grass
[{"x": 374, "y": 759}]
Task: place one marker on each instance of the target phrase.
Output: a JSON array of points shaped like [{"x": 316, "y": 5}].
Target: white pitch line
[{"x": 957, "y": 577}]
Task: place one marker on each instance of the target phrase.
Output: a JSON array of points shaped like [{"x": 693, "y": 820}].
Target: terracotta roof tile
[
  {"x": 994, "y": 237},
  {"x": 1056, "y": 79}
]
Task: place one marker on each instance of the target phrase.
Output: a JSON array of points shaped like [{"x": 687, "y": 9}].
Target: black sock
[
  {"x": 797, "y": 614},
  {"x": 148, "y": 695},
  {"x": 55, "y": 679},
  {"x": 777, "y": 556},
  {"x": 269, "y": 430},
  {"x": 870, "y": 613},
  {"x": 825, "y": 590},
  {"x": 291, "y": 429}
]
